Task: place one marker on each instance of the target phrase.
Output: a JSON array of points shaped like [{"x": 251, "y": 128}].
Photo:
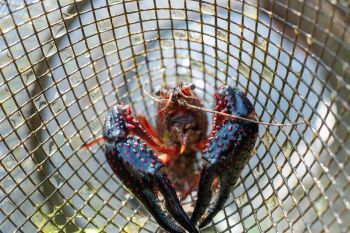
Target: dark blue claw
[
  {"x": 227, "y": 153},
  {"x": 139, "y": 170}
]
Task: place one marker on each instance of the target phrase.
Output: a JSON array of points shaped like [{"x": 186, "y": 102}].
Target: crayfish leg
[
  {"x": 88, "y": 145},
  {"x": 185, "y": 193},
  {"x": 143, "y": 130},
  {"x": 144, "y": 122}
]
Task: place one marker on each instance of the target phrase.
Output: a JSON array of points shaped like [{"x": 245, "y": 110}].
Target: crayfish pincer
[
  {"x": 139, "y": 169},
  {"x": 228, "y": 150}
]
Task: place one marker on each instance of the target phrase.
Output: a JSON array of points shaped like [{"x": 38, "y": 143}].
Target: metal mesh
[{"x": 64, "y": 64}]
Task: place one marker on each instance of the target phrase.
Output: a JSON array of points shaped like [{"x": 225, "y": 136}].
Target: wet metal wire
[{"x": 64, "y": 64}]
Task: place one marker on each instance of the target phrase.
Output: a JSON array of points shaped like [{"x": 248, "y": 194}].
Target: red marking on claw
[
  {"x": 128, "y": 110},
  {"x": 130, "y": 126}
]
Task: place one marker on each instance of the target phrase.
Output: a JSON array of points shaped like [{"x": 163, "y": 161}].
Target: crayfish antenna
[
  {"x": 243, "y": 118},
  {"x": 167, "y": 103},
  {"x": 222, "y": 113}
]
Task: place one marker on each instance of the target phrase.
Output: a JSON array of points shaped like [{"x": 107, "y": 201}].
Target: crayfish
[{"x": 143, "y": 158}]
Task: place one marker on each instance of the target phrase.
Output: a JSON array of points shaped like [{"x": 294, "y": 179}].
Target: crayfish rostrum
[{"x": 146, "y": 160}]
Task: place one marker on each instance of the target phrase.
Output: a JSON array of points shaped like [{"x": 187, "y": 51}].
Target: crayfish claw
[
  {"x": 139, "y": 169},
  {"x": 224, "y": 194},
  {"x": 204, "y": 193},
  {"x": 228, "y": 151},
  {"x": 150, "y": 201},
  {"x": 172, "y": 203}
]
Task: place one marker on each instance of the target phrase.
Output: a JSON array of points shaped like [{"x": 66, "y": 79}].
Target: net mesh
[{"x": 65, "y": 63}]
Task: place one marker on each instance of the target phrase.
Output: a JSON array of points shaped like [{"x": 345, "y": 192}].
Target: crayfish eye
[
  {"x": 157, "y": 93},
  {"x": 192, "y": 86}
]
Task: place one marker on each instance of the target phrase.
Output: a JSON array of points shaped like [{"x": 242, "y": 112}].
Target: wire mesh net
[{"x": 65, "y": 63}]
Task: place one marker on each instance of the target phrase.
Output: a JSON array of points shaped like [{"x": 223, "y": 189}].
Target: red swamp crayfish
[{"x": 181, "y": 126}]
